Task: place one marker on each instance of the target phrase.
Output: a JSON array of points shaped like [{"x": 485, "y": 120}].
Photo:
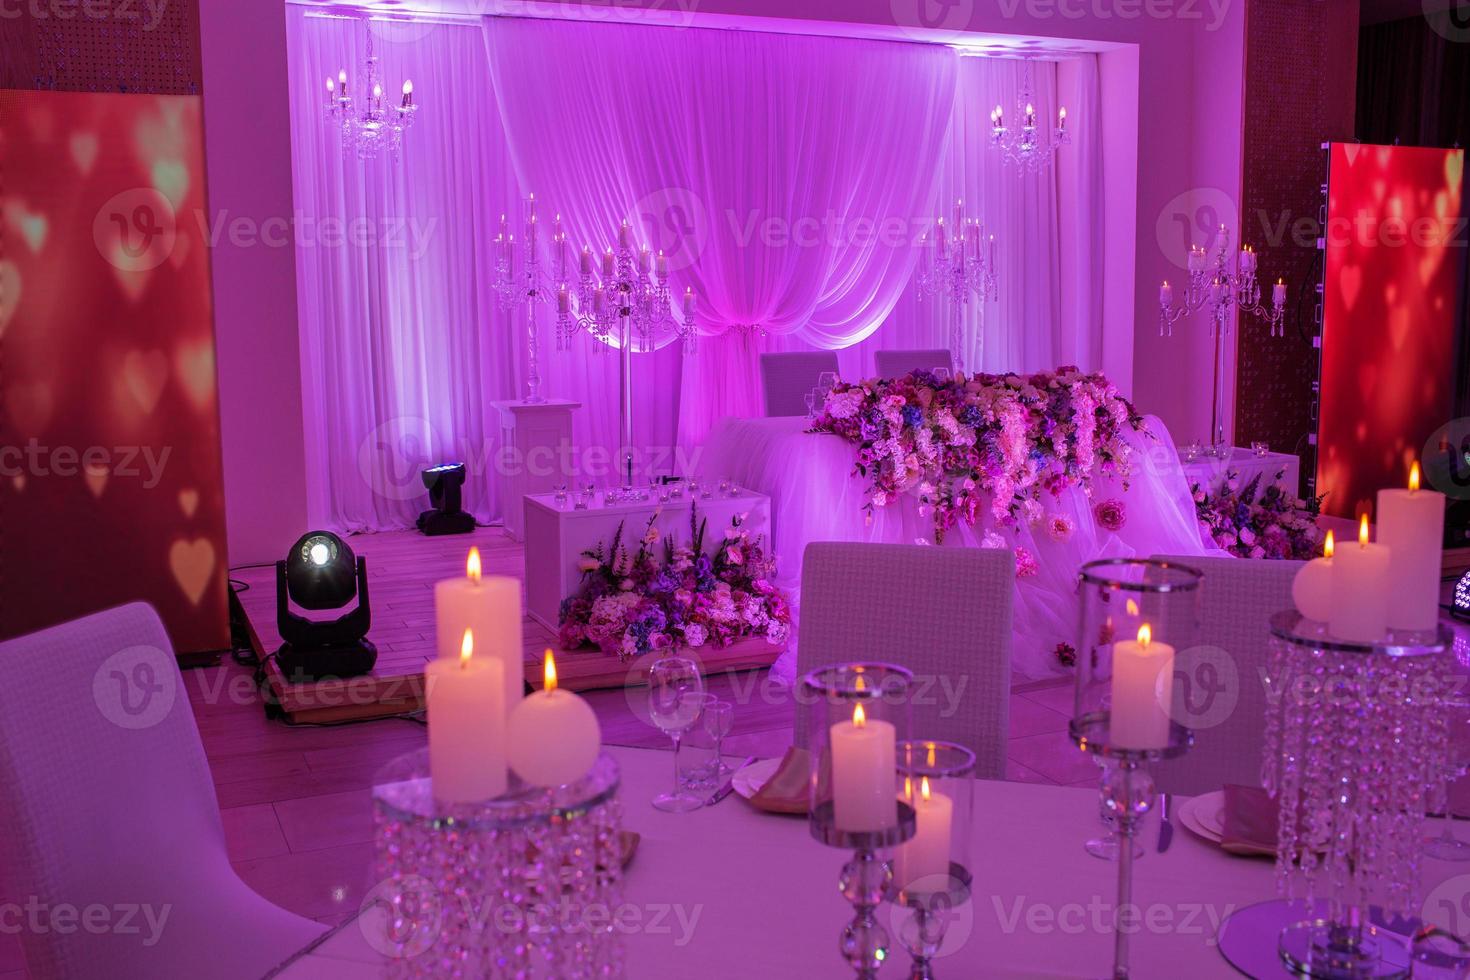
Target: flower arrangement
[
  {"x": 633, "y": 602},
  {"x": 1266, "y": 524},
  {"x": 1014, "y": 437}
]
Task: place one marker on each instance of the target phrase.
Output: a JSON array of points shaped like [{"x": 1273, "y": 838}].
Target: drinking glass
[
  {"x": 675, "y": 698},
  {"x": 941, "y": 375},
  {"x": 811, "y": 403},
  {"x": 724, "y": 486},
  {"x": 826, "y": 381},
  {"x": 1446, "y": 846},
  {"x": 698, "y": 762},
  {"x": 718, "y": 718},
  {"x": 561, "y": 493},
  {"x": 1260, "y": 448}
]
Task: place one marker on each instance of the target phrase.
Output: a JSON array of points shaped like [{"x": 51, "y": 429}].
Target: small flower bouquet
[
  {"x": 661, "y": 596},
  {"x": 1248, "y": 524}
]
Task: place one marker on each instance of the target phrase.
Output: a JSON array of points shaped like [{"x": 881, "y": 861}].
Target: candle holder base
[
  {"x": 922, "y": 933},
  {"x": 1323, "y": 949},
  {"x": 864, "y": 881}
]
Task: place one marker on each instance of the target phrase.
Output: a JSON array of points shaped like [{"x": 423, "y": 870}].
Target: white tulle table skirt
[{"x": 815, "y": 496}]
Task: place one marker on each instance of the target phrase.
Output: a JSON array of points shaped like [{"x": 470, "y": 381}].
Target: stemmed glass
[
  {"x": 675, "y": 698},
  {"x": 1448, "y": 847},
  {"x": 811, "y": 403},
  {"x": 941, "y": 375},
  {"x": 826, "y": 381},
  {"x": 719, "y": 716}
]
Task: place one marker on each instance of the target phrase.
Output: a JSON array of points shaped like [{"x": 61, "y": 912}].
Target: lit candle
[
  {"x": 999, "y": 117},
  {"x": 1030, "y": 121},
  {"x": 662, "y": 266},
  {"x": 586, "y": 260},
  {"x": 1247, "y": 259},
  {"x": 863, "y": 769},
  {"x": 1166, "y": 295},
  {"x": 623, "y": 234},
  {"x": 941, "y": 239},
  {"x": 466, "y": 726},
  {"x": 377, "y": 92},
  {"x": 1196, "y": 259},
  {"x": 342, "y": 80},
  {"x": 563, "y": 300},
  {"x": 531, "y": 206},
  {"x": 1062, "y": 118},
  {"x": 1278, "y": 293},
  {"x": 1360, "y": 590},
  {"x": 1143, "y": 679},
  {"x": 688, "y": 303},
  {"x": 1311, "y": 590},
  {"x": 926, "y": 854},
  {"x": 407, "y": 92},
  {"x": 598, "y": 298},
  {"x": 645, "y": 259},
  {"x": 553, "y": 734},
  {"x": 609, "y": 265},
  {"x": 992, "y": 253},
  {"x": 331, "y": 87},
  {"x": 1411, "y": 525},
  {"x": 491, "y": 606}
]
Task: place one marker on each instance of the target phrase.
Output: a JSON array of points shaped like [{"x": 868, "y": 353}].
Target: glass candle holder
[
  {"x": 856, "y": 716},
  {"x": 932, "y": 870}
]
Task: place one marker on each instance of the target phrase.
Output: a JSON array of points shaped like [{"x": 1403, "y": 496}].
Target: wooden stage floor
[{"x": 402, "y": 569}]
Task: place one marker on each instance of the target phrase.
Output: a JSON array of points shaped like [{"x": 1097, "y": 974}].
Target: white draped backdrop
[{"x": 729, "y": 150}]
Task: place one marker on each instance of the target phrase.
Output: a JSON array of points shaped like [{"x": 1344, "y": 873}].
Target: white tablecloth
[
  {"x": 1209, "y": 471},
  {"x": 815, "y": 496},
  {"x": 728, "y": 893}
]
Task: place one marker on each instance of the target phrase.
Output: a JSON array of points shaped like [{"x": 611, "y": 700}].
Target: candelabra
[
  {"x": 957, "y": 270},
  {"x": 629, "y": 302},
  {"x": 520, "y": 279},
  {"x": 374, "y": 126},
  {"x": 1221, "y": 286},
  {"x": 1028, "y": 148}
]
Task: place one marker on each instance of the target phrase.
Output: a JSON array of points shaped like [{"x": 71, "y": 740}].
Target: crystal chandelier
[
  {"x": 370, "y": 127},
  {"x": 958, "y": 265},
  {"x": 1027, "y": 147}
]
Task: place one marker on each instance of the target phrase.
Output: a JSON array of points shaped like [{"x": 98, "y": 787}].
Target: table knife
[
  {"x": 1166, "y": 828},
  {"x": 729, "y": 784}
]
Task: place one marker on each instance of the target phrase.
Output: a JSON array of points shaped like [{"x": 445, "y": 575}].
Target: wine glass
[
  {"x": 675, "y": 697},
  {"x": 826, "y": 381},
  {"x": 1446, "y": 846},
  {"x": 718, "y": 718},
  {"x": 811, "y": 403},
  {"x": 941, "y": 375}
]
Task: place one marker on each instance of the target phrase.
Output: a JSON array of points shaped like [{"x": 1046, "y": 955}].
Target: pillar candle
[
  {"x": 863, "y": 771},
  {"x": 586, "y": 260},
  {"x": 1360, "y": 590},
  {"x": 553, "y": 734},
  {"x": 1143, "y": 676},
  {"x": 1278, "y": 293},
  {"x": 491, "y": 606},
  {"x": 466, "y": 709},
  {"x": 609, "y": 268},
  {"x": 1166, "y": 295},
  {"x": 1311, "y": 590},
  {"x": 926, "y": 854},
  {"x": 1411, "y": 525},
  {"x": 661, "y": 268}
]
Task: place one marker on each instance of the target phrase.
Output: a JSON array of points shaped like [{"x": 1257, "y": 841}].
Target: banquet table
[
  {"x": 1210, "y": 471},
  {"x": 731, "y": 892},
  {"x": 816, "y": 496}
]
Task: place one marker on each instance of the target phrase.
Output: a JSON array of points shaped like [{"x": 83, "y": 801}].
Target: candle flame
[
  {"x": 466, "y": 648},
  {"x": 1132, "y": 608},
  {"x": 908, "y": 787},
  {"x": 1145, "y": 636},
  {"x": 924, "y": 788},
  {"x": 1329, "y": 546},
  {"x": 550, "y": 675},
  {"x": 932, "y": 747},
  {"x": 1363, "y": 532},
  {"x": 859, "y": 718},
  {"x": 472, "y": 566},
  {"x": 1414, "y": 476}
]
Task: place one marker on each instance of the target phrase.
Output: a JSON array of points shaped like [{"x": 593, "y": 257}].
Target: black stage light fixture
[
  {"x": 447, "y": 515},
  {"x": 320, "y": 572}
]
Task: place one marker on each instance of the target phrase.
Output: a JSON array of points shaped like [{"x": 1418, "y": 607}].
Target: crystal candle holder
[
  {"x": 855, "y": 717},
  {"x": 932, "y": 870},
  {"x": 1136, "y": 616}
]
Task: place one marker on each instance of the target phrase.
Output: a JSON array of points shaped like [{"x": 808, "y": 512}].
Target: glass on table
[
  {"x": 1447, "y": 846},
  {"x": 1260, "y": 448},
  {"x": 560, "y": 493},
  {"x": 718, "y": 719},
  {"x": 675, "y": 702},
  {"x": 811, "y": 403},
  {"x": 826, "y": 381},
  {"x": 941, "y": 375}
]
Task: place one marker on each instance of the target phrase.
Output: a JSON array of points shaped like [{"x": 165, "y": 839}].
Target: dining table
[{"x": 729, "y": 891}]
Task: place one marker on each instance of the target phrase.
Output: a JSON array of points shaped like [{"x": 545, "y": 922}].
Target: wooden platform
[{"x": 402, "y": 569}]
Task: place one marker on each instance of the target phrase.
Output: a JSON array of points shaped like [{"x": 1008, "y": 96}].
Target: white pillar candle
[
  {"x": 1311, "y": 590},
  {"x": 1143, "y": 679},
  {"x": 553, "y": 735},
  {"x": 661, "y": 268},
  {"x": 491, "y": 606},
  {"x": 1360, "y": 590},
  {"x": 609, "y": 267},
  {"x": 863, "y": 773},
  {"x": 1411, "y": 525},
  {"x": 1278, "y": 293},
  {"x": 1166, "y": 295},
  {"x": 926, "y": 854},
  {"x": 466, "y": 708},
  {"x": 586, "y": 260}
]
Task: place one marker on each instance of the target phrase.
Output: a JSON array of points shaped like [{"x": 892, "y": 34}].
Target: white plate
[
  {"x": 748, "y": 780},
  {"x": 1191, "y": 814}
]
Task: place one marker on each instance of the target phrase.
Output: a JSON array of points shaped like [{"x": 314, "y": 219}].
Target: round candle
[
  {"x": 466, "y": 713},
  {"x": 1411, "y": 525},
  {"x": 553, "y": 734},
  {"x": 491, "y": 606},
  {"x": 1311, "y": 590},
  {"x": 1143, "y": 677},
  {"x": 1360, "y": 590},
  {"x": 923, "y": 860},
  {"x": 863, "y": 768}
]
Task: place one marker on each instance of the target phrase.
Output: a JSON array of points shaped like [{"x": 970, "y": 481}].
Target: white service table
[
  {"x": 729, "y": 893},
  {"x": 535, "y": 442},
  {"x": 557, "y": 533},
  {"x": 1208, "y": 471}
]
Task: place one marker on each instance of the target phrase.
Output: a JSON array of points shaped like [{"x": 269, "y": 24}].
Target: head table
[{"x": 730, "y": 892}]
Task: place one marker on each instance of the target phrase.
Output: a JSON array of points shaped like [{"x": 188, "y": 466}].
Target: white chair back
[
  {"x": 787, "y": 377},
  {"x": 1219, "y": 688},
  {"x": 106, "y": 804},
  {"x": 943, "y": 613},
  {"x": 897, "y": 363}
]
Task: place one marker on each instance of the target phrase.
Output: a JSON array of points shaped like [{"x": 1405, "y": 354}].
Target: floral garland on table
[
  {"x": 632, "y": 602},
  {"x": 1015, "y": 437},
  {"x": 1268, "y": 524}
]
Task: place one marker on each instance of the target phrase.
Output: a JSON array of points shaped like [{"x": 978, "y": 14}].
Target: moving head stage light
[{"x": 321, "y": 573}]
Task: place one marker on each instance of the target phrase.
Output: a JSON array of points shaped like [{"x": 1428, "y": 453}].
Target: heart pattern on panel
[
  {"x": 1398, "y": 327},
  {"x": 19, "y": 482},
  {"x": 195, "y": 364},
  {"x": 9, "y": 293},
  {"x": 32, "y": 225},
  {"x": 1350, "y": 282},
  {"x": 144, "y": 374},
  {"x": 189, "y": 501},
  {"x": 84, "y": 151},
  {"x": 171, "y": 179},
  {"x": 133, "y": 282},
  {"x": 192, "y": 564},
  {"x": 96, "y": 476}
]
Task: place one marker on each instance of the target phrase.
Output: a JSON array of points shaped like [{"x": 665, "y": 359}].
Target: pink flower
[
  {"x": 1026, "y": 565},
  {"x": 733, "y": 556},
  {"x": 1060, "y": 527},
  {"x": 1111, "y": 514}
]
